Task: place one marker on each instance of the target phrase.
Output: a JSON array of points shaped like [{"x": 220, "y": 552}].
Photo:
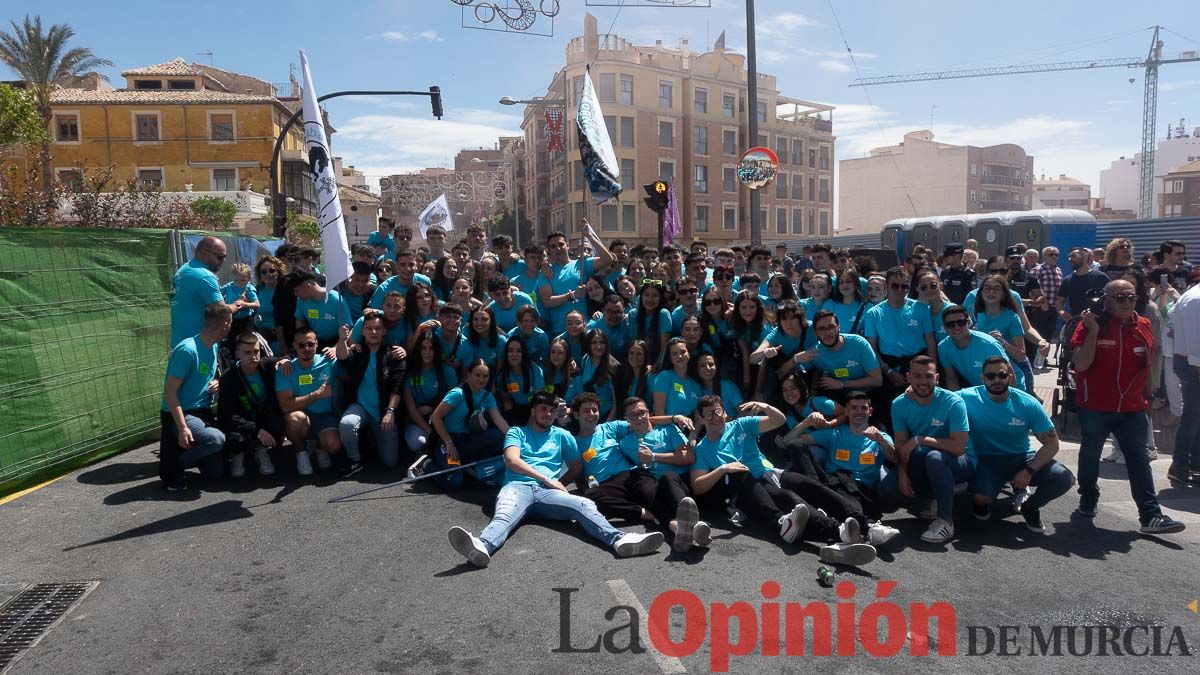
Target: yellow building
[{"x": 182, "y": 128}]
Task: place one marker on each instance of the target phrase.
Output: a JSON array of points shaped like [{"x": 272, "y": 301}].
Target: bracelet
[{"x": 389, "y": 411}]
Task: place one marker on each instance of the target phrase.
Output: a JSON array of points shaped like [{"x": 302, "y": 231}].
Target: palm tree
[{"x": 43, "y": 61}]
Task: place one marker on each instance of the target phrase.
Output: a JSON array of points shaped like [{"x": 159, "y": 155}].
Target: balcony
[
  {"x": 1003, "y": 206},
  {"x": 996, "y": 179}
]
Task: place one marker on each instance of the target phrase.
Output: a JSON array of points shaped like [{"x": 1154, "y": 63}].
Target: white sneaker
[
  {"x": 420, "y": 466},
  {"x": 1116, "y": 456},
  {"x": 1152, "y": 454},
  {"x": 791, "y": 525},
  {"x": 263, "y": 457},
  {"x": 850, "y": 532},
  {"x": 879, "y": 534},
  {"x": 237, "y": 465},
  {"x": 1019, "y": 497},
  {"x": 303, "y": 465},
  {"x": 702, "y": 537},
  {"x": 634, "y": 543},
  {"x": 930, "y": 510},
  {"x": 848, "y": 554},
  {"x": 324, "y": 460},
  {"x": 687, "y": 516},
  {"x": 940, "y": 531},
  {"x": 470, "y": 546}
]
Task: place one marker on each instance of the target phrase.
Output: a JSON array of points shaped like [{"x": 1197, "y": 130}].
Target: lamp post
[
  {"x": 752, "y": 94},
  {"x": 550, "y": 103}
]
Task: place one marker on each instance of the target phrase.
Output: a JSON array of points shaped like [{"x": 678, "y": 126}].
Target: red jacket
[{"x": 1116, "y": 380}]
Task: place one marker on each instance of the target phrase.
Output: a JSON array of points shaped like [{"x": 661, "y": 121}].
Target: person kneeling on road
[
  {"x": 1001, "y": 419},
  {"x": 304, "y": 388},
  {"x": 372, "y": 376},
  {"x": 536, "y": 456}
]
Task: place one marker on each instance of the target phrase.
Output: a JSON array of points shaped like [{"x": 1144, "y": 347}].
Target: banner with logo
[
  {"x": 600, "y": 166},
  {"x": 335, "y": 249}
]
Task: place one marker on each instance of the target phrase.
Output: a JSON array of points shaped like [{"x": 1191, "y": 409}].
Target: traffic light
[
  {"x": 435, "y": 99},
  {"x": 656, "y": 197}
]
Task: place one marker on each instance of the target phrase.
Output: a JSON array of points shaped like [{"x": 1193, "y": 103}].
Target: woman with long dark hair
[
  {"x": 560, "y": 366},
  {"x": 445, "y": 272},
  {"x": 674, "y": 390},
  {"x": 634, "y": 377},
  {"x": 820, "y": 293},
  {"x": 462, "y": 441},
  {"x": 797, "y": 403},
  {"x": 597, "y": 374},
  {"x": 268, "y": 271},
  {"x": 427, "y": 381},
  {"x": 487, "y": 342},
  {"x": 693, "y": 335},
  {"x": 996, "y": 313},
  {"x": 779, "y": 291},
  {"x": 928, "y": 286},
  {"x": 420, "y": 306},
  {"x": 717, "y": 332},
  {"x": 517, "y": 379},
  {"x": 849, "y": 302},
  {"x": 651, "y": 320},
  {"x": 778, "y": 349},
  {"x": 749, "y": 324},
  {"x": 704, "y": 370},
  {"x": 574, "y": 335},
  {"x": 597, "y": 289}
]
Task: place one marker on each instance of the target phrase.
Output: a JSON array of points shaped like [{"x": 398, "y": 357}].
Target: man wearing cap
[{"x": 957, "y": 279}]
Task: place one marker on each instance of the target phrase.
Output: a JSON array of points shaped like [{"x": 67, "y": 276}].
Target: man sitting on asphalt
[
  {"x": 247, "y": 409},
  {"x": 187, "y": 420},
  {"x": 305, "y": 393},
  {"x": 623, "y": 490},
  {"x": 933, "y": 447},
  {"x": 536, "y": 457},
  {"x": 1001, "y": 419},
  {"x": 729, "y": 465},
  {"x": 372, "y": 377}
]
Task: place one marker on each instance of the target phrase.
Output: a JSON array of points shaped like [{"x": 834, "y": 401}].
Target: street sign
[{"x": 757, "y": 168}]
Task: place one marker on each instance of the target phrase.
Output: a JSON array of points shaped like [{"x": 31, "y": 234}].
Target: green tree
[
  {"x": 42, "y": 59},
  {"x": 20, "y": 122}
]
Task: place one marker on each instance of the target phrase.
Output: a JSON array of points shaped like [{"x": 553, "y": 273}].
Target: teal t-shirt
[
  {"x": 506, "y": 319},
  {"x": 194, "y": 287},
  {"x": 738, "y": 443},
  {"x": 388, "y": 242},
  {"x": 660, "y": 440},
  {"x": 821, "y": 404},
  {"x": 548, "y": 452},
  {"x": 368, "y": 391},
  {"x": 777, "y": 337},
  {"x": 513, "y": 383},
  {"x": 853, "y": 361},
  {"x": 230, "y": 292},
  {"x": 456, "y": 419},
  {"x": 1006, "y": 322},
  {"x": 1003, "y": 428},
  {"x": 537, "y": 345},
  {"x": 636, "y": 315},
  {"x": 456, "y": 350},
  {"x": 619, "y": 337},
  {"x": 564, "y": 279},
  {"x": 683, "y": 393},
  {"x": 679, "y": 315},
  {"x": 846, "y": 313},
  {"x": 900, "y": 330},
  {"x": 968, "y": 363},
  {"x": 394, "y": 284},
  {"x": 196, "y": 365},
  {"x": 325, "y": 316},
  {"x": 848, "y": 451},
  {"x": 425, "y": 387},
  {"x": 579, "y": 384},
  {"x": 490, "y": 355},
  {"x": 304, "y": 381},
  {"x": 944, "y": 415},
  {"x": 969, "y": 301},
  {"x": 396, "y": 335},
  {"x": 601, "y": 451},
  {"x": 266, "y": 309},
  {"x": 731, "y": 395}
]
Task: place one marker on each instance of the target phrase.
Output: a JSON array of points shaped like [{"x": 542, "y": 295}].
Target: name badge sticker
[
  {"x": 204, "y": 368},
  {"x": 842, "y": 455},
  {"x": 866, "y": 458},
  {"x": 314, "y": 313},
  {"x": 513, "y": 387},
  {"x": 679, "y": 387},
  {"x": 841, "y": 372},
  {"x": 306, "y": 379},
  {"x": 589, "y": 455}
]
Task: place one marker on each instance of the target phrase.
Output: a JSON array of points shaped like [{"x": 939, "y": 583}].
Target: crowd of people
[{"x": 811, "y": 394}]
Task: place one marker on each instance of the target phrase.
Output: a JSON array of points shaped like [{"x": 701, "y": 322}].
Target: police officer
[{"x": 957, "y": 279}]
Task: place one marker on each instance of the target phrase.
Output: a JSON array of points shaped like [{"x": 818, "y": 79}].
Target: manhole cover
[{"x": 32, "y": 613}]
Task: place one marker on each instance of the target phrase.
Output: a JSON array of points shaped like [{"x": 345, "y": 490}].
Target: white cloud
[
  {"x": 834, "y": 66},
  {"x": 400, "y": 36},
  {"x": 1176, "y": 86},
  {"x": 782, "y": 26}
]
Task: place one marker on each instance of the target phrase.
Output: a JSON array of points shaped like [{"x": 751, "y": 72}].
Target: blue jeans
[
  {"x": 516, "y": 500},
  {"x": 993, "y": 471},
  {"x": 387, "y": 442},
  {"x": 930, "y": 472},
  {"x": 1027, "y": 368},
  {"x": 1129, "y": 428},
  {"x": 1187, "y": 436}
]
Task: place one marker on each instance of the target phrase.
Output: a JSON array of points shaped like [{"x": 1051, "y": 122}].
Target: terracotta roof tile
[
  {"x": 176, "y": 66},
  {"x": 152, "y": 96}
]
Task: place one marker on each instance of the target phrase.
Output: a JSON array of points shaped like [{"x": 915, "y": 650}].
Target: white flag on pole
[
  {"x": 437, "y": 213},
  {"x": 329, "y": 208}
]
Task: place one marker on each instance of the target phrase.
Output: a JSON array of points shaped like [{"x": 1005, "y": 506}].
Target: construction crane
[{"x": 1149, "y": 101}]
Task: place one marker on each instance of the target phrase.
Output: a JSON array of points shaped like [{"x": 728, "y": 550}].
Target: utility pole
[{"x": 752, "y": 106}]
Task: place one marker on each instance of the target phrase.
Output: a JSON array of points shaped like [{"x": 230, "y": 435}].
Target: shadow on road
[
  {"x": 120, "y": 472},
  {"x": 221, "y": 512}
]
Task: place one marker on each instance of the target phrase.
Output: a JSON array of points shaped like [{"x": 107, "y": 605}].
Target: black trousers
[
  {"x": 882, "y": 397},
  {"x": 239, "y": 442},
  {"x": 627, "y": 493},
  {"x": 859, "y": 499},
  {"x": 766, "y": 503}
]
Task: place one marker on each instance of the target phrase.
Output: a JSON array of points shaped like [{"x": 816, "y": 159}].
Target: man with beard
[
  {"x": 957, "y": 279},
  {"x": 195, "y": 287},
  {"x": 845, "y": 361},
  {"x": 566, "y": 288}
]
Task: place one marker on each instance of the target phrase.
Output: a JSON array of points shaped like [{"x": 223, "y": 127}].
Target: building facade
[
  {"x": 682, "y": 116},
  {"x": 1063, "y": 192},
  {"x": 1181, "y": 192},
  {"x": 923, "y": 177},
  {"x": 1121, "y": 181}
]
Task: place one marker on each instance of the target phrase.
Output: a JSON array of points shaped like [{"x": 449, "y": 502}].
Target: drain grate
[{"x": 32, "y": 613}]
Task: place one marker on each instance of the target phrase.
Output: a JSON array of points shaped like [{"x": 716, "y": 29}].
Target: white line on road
[{"x": 624, "y": 595}]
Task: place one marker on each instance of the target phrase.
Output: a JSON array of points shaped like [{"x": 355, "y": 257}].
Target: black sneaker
[
  {"x": 1086, "y": 510},
  {"x": 1162, "y": 525},
  {"x": 1182, "y": 474},
  {"x": 982, "y": 511},
  {"x": 177, "y": 485},
  {"x": 1033, "y": 518},
  {"x": 352, "y": 468}
]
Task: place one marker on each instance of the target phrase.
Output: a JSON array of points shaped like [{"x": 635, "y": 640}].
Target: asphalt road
[{"x": 261, "y": 575}]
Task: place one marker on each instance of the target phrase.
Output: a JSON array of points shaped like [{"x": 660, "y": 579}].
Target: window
[
  {"x": 702, "y": 178},
  {"x": 781, "y": 148},
  {"x": 728, "y": 101},
  {"x": 812, "y": 158},
  {"x": 666, "y": 94},
  {"x": 824, "y": 158},
  {"x": 220, "y": 127},
  {"x": 824, "y": 222},
  {"x": 797, "y": 221},
  {"x": 701, "y": 140},
  {"x": 626, "y": 90},
  {"x": 823, "y": 197},
  {"x": 224, "y": 180},
  {"x": 701, "y": 222},
  {"x": 580, "y": 179},
  {"x": 729, "y": 218},
  {"x": 72, "y": 179},
  {"x": 611, "y": 123},
  {"x": 780, "y": 221},
  {"x": 728, "y": 179},
  {"x": 812, "y": 190},
  {"x": 66, "y": 127},
  {"x": 761, "y": 109},
  {"x": 577, "y": 85},
  {"x": 798, "y": 152},
  {"x": 812, "y": 221},
  {"x": 729, "y": 142},
  {"x": 181, "y": 84},
  {"x": 974, "y": 169},
  {"x": 666, "y": 134},
  {"x": 147, "y": 84},
  {"x": 627, "y": 174},
  {"x": 145, "y": 127},
  {"x": 797, "y": 186},
  {"x": 762, "y": 140},
  {"x": 666, "y": 170},
  {"x": 608, "y": 88},
  {"x": 608, "y": 218},
  {"x": 972, "y": 197},
  {"x": 626, "y": 132},
  {"x": 781, "y": 186},
  {"x": 762, "y": 219},
  {"x": 150, "y": 178},
  {"x": 701, "y": 102},
  {"x": 629, "y": 217}
]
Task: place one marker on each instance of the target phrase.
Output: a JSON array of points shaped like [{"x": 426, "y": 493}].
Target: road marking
[
  {"x": 22, "y": 493},
  {"x": 624, "y": 595}
]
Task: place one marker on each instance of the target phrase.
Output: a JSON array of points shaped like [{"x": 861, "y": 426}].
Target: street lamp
[{"x": 545, "y": 103}]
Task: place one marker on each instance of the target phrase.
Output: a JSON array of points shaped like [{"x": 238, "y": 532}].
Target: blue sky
[{"x": 1073, "y": 122}]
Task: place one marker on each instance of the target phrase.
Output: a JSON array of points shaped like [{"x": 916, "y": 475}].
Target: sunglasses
[
  {"x": 687, "y": 291},
  {"x": 1124, "y": 297},
  {"x": 899, "y": 287},
  {"x": 958, "y": 323},
  {"x": 929, "y": 287},
  {"x": 723, "y": 277},
  {"x": 714, "y": 412},
  {"x": 306, "y": 345},
  {"x": 995, "y": 376},
  {"x": 1050, "y": 255},
  {"x": 1125, "y": 247},
  {"x": 714, "y": 302}
]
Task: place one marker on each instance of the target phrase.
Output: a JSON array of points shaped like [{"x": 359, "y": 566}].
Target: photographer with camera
[
  {"x": 1072, "y": 296},
  {"x": 1113, "y": 353}
]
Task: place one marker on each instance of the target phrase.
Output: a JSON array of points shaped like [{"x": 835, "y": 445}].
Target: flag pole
[{"x": 398, "y": 483}]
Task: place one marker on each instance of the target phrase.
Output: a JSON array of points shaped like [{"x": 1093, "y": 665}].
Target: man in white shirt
[{"x": 1185, "y": 327}]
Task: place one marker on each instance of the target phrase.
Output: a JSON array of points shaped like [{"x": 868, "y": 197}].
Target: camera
[{"x": 1093, "y": 301}]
